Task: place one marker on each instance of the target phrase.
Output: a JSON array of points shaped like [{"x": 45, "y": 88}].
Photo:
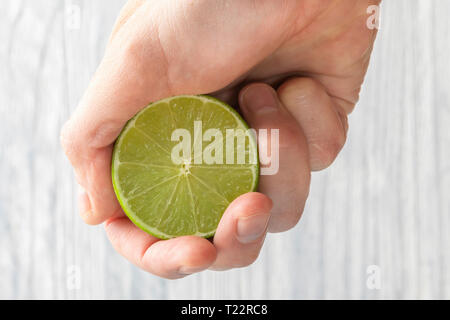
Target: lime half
[{"x": 179, "y": 162}]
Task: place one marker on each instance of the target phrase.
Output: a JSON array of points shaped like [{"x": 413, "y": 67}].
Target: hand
[{"x": 315, "y": 52}]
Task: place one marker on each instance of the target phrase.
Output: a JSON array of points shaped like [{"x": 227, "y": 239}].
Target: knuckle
[
  {"x": 248, "y": 260},
  {"x": 71, "y": 141},
  {"x": 132, "y": 48},
  {"x": 338, "y": 142},
  {"x": 346, "y": 105},
  {"x": 323, "y": 153},
  {"x": 288, "y": 222},
  {"x": 298, "y": 90},
  {"x": 90, "y": 218},
  {"x": 104, "y": 134},
  {"x": 65, "y": 138}
]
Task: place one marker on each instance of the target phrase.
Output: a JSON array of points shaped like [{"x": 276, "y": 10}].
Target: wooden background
[{"x": 385, "y": 202}]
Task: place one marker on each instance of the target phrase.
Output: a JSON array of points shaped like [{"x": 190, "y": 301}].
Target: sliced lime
[{"x": 170, "y": 192}]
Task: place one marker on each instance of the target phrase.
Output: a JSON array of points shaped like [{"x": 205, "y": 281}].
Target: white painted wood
[{"x": 384, "y": 202}]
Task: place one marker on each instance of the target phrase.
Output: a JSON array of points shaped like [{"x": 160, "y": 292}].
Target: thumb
[{"x": 119, "y": 89}]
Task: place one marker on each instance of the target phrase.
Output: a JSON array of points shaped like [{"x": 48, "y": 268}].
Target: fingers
[
  {"x": 172, "y": 259},
  {"x": 241, "y": 232},
  {"x": 322, "y": 121},
  {"x": 237, "y": 242},
  {"x": 289, "y": 186}
]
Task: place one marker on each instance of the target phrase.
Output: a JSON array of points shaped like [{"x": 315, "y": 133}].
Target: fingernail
[
  {"x": 259, "y": 99},
  {"x": 252, "y": 227}
]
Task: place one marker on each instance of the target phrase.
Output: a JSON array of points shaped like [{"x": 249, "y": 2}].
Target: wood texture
[{"x": 384, "y": 202}]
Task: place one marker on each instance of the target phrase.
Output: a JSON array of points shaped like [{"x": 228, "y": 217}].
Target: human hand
[{"x": 235, "y": 50}]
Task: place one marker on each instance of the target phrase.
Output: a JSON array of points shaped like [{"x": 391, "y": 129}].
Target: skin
[{"x": 315, "y": 54}]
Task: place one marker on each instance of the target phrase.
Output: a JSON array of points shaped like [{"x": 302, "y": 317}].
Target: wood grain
[{"x": 384, "y": 202}]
